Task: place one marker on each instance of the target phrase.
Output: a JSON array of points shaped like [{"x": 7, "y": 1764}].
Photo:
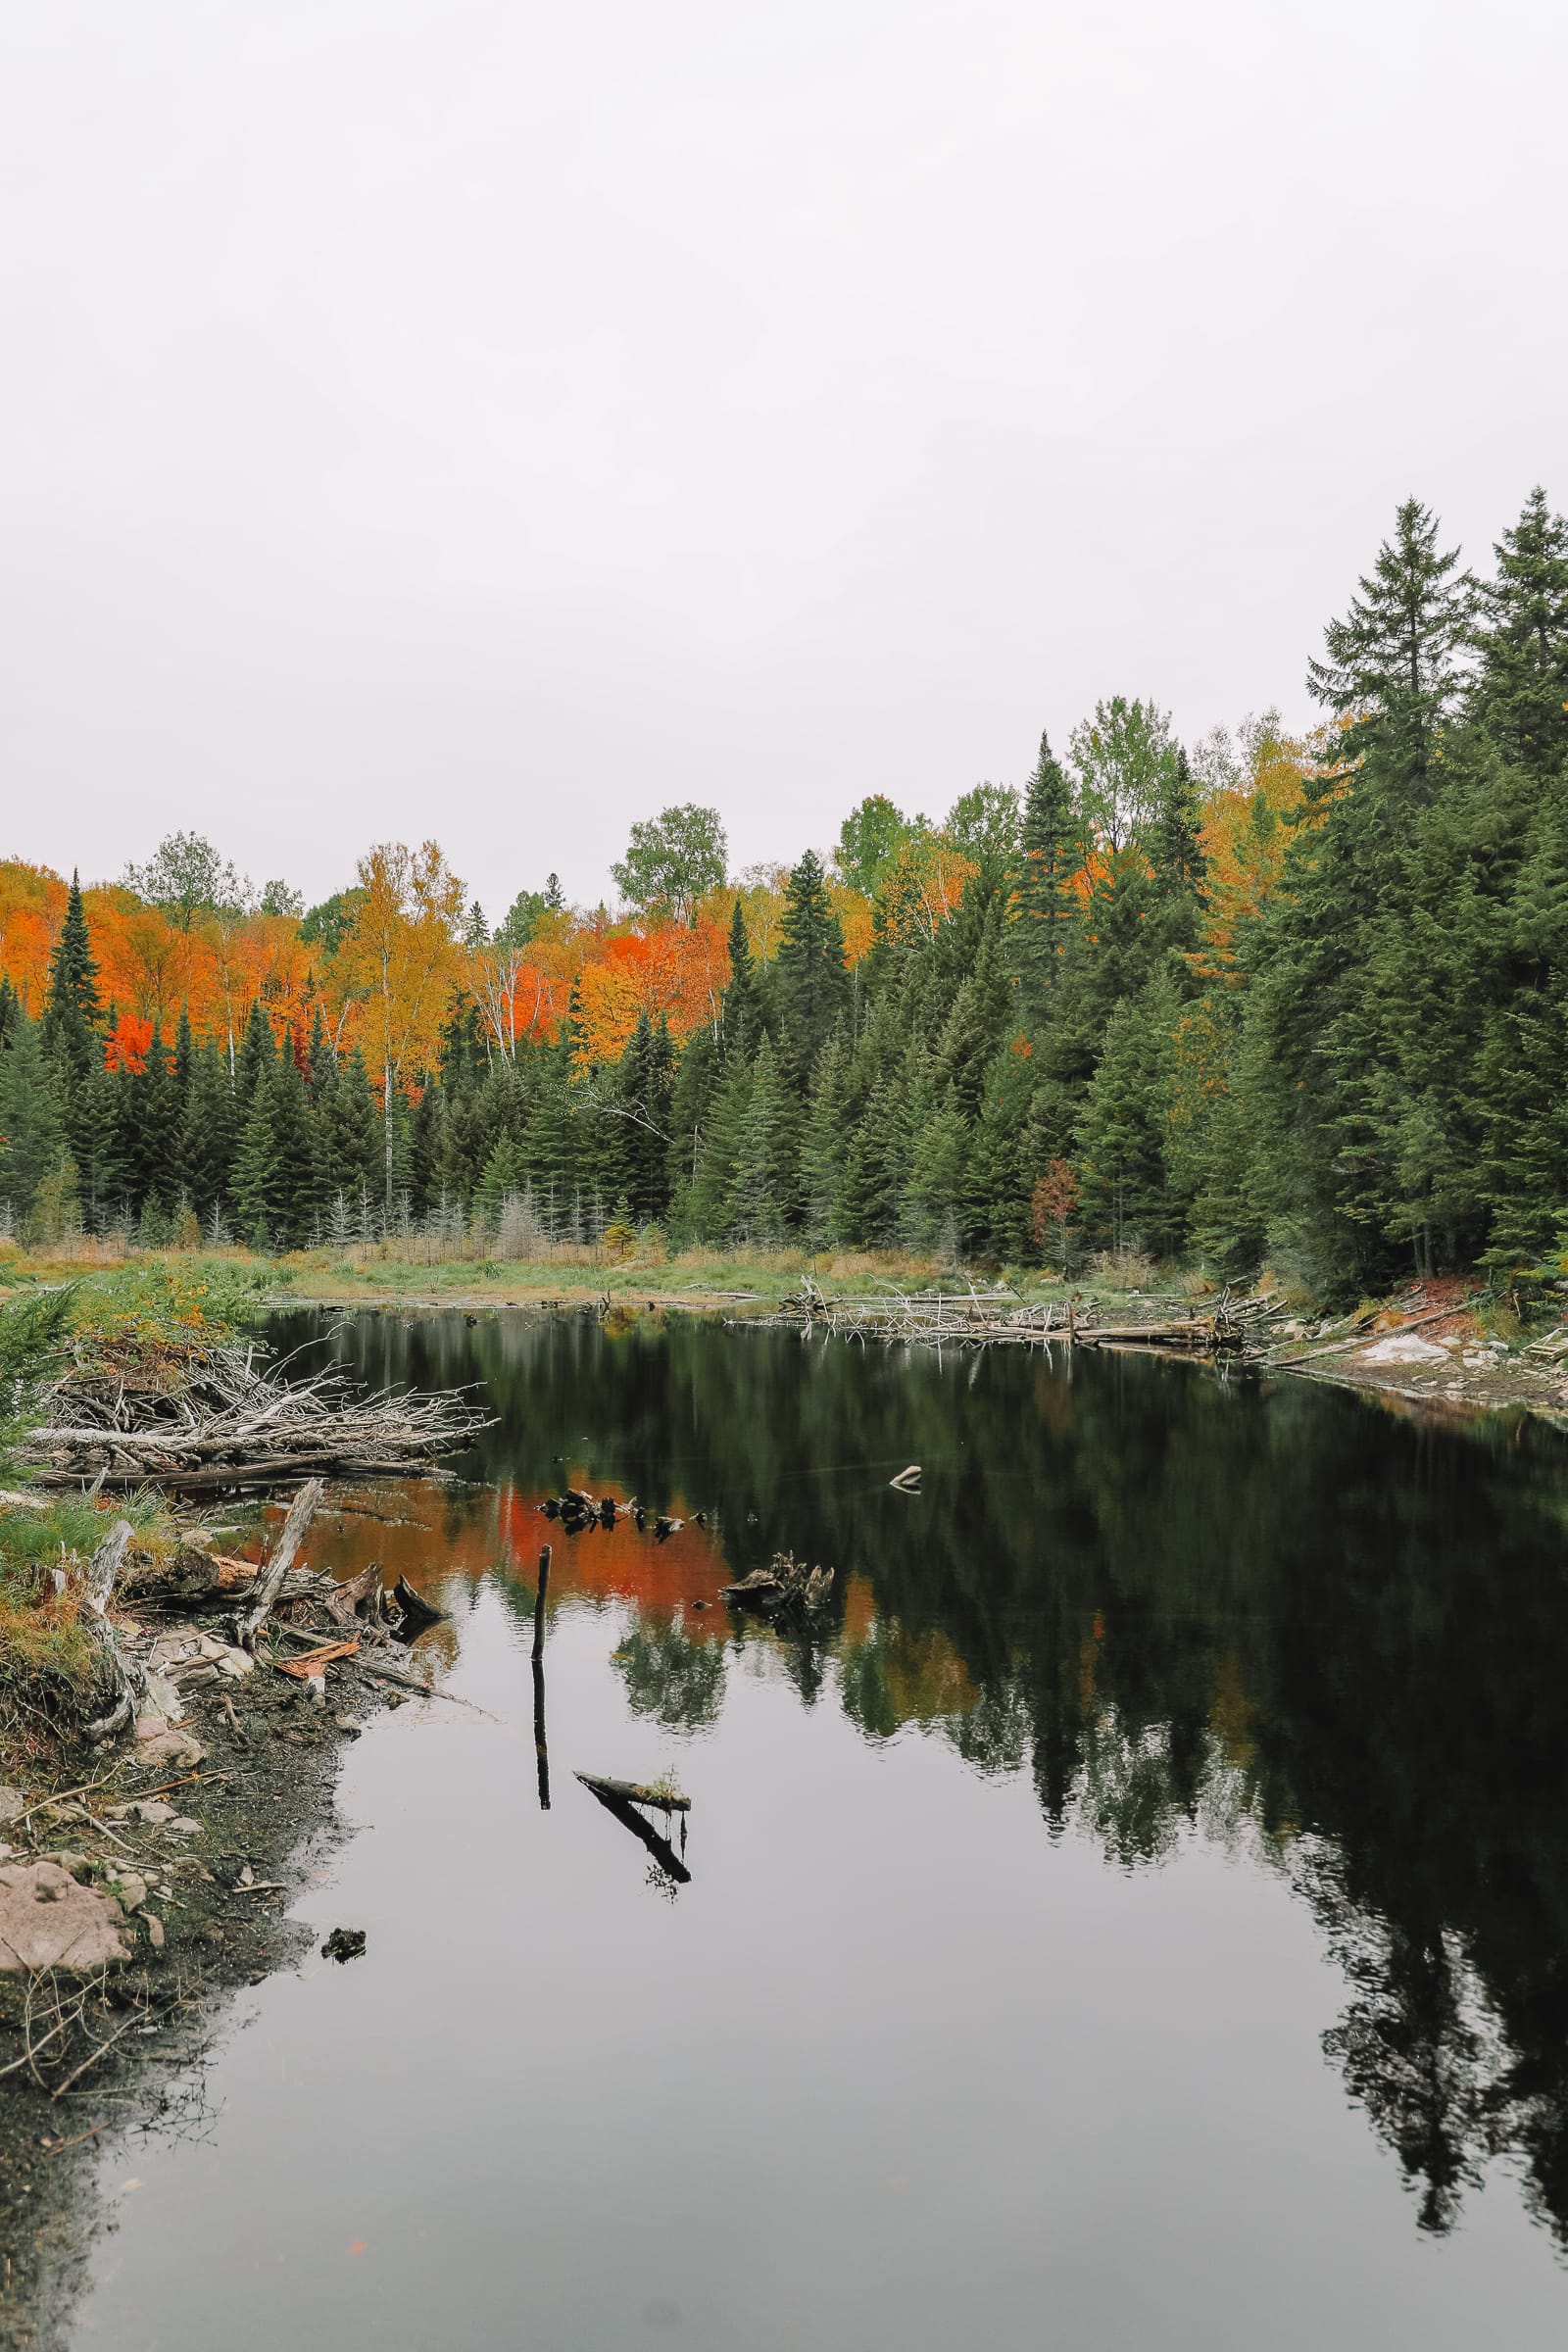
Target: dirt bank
[{"x": 198, "y": 1863}]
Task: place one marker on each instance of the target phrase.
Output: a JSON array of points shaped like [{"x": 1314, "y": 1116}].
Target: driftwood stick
[
  {"x": 301, "y": 1512},
  {"x": 539, "y": 1604}
]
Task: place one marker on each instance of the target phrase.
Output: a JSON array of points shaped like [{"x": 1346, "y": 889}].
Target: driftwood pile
[
  {"x": 209, "y": 1416},
  {"x": 335, "y": 1622},
  {"x": 1236, "y": 1326},
  {"x": 786, "y": 1592}
]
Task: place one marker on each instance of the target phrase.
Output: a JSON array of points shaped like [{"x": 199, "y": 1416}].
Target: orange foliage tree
[{"x": 402, "y": 958}]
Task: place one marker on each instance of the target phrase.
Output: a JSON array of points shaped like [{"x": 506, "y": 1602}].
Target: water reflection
[{"x": 1333, "y": 1640}]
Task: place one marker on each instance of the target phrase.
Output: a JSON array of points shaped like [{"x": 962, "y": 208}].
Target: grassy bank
[{"x": 419, "y": 1269}]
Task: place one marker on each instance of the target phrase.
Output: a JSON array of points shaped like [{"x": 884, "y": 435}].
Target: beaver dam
[{"x": 1114, "y": 1875}]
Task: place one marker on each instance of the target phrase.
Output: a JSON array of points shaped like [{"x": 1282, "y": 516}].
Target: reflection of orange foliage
[
  {"x": 127, "y": 1043},
  {"x": 860, "y": 1609}
]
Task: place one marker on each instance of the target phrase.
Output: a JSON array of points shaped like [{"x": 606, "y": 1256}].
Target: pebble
[
  {"x": 155, "y": 1931},
  {"x": 12, "y": 1802}
]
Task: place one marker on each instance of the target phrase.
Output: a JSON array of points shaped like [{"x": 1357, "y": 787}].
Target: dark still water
[{"x": 1139, "y": 1920}]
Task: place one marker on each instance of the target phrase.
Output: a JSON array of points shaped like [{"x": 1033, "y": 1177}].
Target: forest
[{"x": 1294, "y": 1000}]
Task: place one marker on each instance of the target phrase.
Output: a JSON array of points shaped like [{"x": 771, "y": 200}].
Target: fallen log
[
  {"x": 635, "y": 1793},
  {"x": 627, "y": 1815}
]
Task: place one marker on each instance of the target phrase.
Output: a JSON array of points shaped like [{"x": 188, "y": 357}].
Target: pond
[{"x": 1136, "y": 1918}]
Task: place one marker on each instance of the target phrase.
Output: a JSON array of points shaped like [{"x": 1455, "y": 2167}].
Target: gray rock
[{"x": 48, "y": 1921}]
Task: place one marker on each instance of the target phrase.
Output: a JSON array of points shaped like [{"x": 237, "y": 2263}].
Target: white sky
[{"x": 500, "y": 420}]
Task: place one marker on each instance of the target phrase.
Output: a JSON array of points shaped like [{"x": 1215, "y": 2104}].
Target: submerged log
[
  {"x": 627, "y": 1815},
  {"x": 418, "y": 1612}
]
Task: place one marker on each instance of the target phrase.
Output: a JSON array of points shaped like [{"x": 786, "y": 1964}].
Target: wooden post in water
[
  {"x": 539, "y": 1604},
  {"x": 541, "y": 1747}
]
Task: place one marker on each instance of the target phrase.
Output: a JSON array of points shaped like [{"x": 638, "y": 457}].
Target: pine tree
[
  {"x": 253, "y": 1185},
  {"x": 33, "y": 1141},
  {"x": 1521, "y": 694},
  {"x": 821, "y": 1158},
  {"x": 996, "y": 1187},
  {"x": 1176, "y": 854},
  {"x": 72, "y": 1028},
  {"x": 258, "y": 1052},
  {"x": 740, "y": 1017},
  {"x": 152, "y": 1130},
  {"x": 297, "y": 1201},
  {"x": 762, "y": 1162},
  {"x": 205, "y": 1146},
  {"x": 503, "y": 1173},
  {"x": 810, "y": 984},
  {"x": 1393, "y": 670},
  {"x": 1045, "y": 904},
  {"x": 709, "y": 1204},
  {"x": 1121, "y": 1132},
  {"x": 351, "y": 1141}
]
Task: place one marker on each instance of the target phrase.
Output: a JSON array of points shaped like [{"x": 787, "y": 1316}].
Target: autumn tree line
[{"x": 1302, "y": 999}]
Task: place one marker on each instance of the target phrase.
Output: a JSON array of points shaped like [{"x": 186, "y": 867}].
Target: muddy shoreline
[{"x": 263, "y": 1799}]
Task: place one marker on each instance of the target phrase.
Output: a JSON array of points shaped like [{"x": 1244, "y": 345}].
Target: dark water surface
[{"x": 1139, "y": 1921}]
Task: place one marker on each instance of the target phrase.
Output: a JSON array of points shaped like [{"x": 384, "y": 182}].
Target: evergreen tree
[
  {"x": 1045, "y": 905},
  {"x": 351, "y": 1158},
  {"x": 71, "y": 1030},
  {"x": 762, "y": 1171},
  {"x": 740, "y": 1015},
  {"x": 33, "y": 1141},
  {"x": 1393, "y": 671},
  {"x": 258, "y": 1052},
  {"x": 10, "y": 1010},
  {"x": 253, "y": 1183},
  {"x": 1521, "y": 694},
  {"x": 206, "y": 1142},
  {"x": 812, "y": 987},
  {"x": 1121, "y": 1132},
  {"x": 821, "y": 1158},
  {"x": 710, "y": 1203}
]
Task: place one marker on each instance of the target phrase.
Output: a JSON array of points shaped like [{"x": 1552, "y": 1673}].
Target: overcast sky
[{"x": 497, "y": 421}]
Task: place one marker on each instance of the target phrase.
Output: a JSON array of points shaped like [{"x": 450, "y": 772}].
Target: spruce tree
[
  {"x": 1121, "y": 1132},
  {"x": 351, "y": 1141},
  {"x": 1392, "y": 668},
  {"x": 810, "y": 984},
  {"x": 761, "y": 1169},
  {"x": 258, "y": 1052},
  {"x": 740, "y": 1015},
  {"x": 1046, "y": 904},
  {"x": 206, "y": 1143},
  {"x": 823, "y": 1140},
  {"x": 72, "y": 1028},
  {"x": 10, "y": 1010},
  {"x": 253, "y": 1183},
  {"x": 1521, "y": 693},
  {"x": 33, "y": 1141}
]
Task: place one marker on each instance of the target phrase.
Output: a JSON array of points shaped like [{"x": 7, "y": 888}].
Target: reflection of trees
[
  {"x": 1178, "y": 1604},
  {"x": 676, "y": 1680}
]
